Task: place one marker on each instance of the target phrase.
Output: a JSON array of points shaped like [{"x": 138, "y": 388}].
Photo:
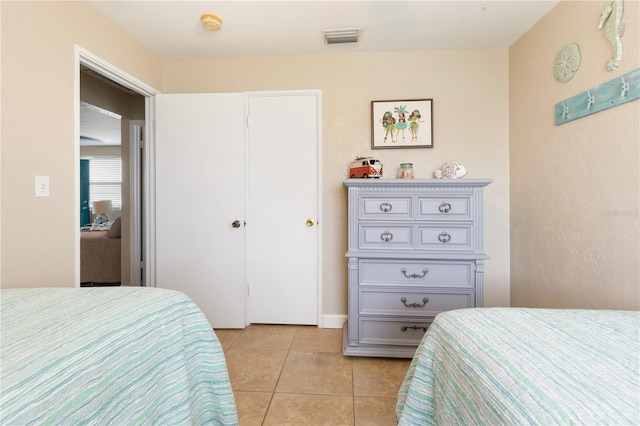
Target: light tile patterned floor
[{"x": 296, "y": 375}]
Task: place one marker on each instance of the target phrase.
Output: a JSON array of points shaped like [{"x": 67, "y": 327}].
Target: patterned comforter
[
  {"x": 499, "y": 366},
  {"x": 110, "y": 356}
]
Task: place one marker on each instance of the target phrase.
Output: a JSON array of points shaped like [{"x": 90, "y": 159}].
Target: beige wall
[
  {"x": 470, "y": 92},
  {"x": 575, "y": 231},
  {"x": 469, "y": 88},
  {"x": 38, "y": 131},
  {"x": 574, "y": 188}
]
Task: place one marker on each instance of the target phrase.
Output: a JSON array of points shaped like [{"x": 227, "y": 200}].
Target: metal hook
[
  {"x": 590, "y": 99},
  {"x": 624, "y": 88},
  {"x": 565, "y": 110}
]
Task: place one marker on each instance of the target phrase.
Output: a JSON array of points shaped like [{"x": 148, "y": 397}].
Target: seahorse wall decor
[{"x": 611, "y": 21}]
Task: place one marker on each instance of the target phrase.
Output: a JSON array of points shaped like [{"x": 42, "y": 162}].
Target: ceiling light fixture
[
  {"x": 345, "y": 35},
  {"x": 211, "y": 22}
]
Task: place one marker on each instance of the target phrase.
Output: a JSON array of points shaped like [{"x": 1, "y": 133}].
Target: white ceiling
[
  {"x": 172, "y": 30},
  {"x": 98, "y": 127}
]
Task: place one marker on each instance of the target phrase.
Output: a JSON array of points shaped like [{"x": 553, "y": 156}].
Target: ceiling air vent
[{"x": 346, "y": 35}]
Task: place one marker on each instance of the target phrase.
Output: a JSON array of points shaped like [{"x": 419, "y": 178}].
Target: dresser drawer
[
  {"x": 377, "y": 272},
  {"x": 385, "y": 237},
  {"x": 392, "y": 331},
  {"x": 385, "y": 208},
  {"x": 411, "y": 302},
  {"x": 444, "y": 238},
  {"x": 444, "y": 208}
]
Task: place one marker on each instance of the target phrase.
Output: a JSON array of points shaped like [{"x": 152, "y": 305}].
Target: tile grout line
[
  {"x": 303, "y": 346},
  {"x": 353, "y": 391},
  {"x": 273, "y": 393}
]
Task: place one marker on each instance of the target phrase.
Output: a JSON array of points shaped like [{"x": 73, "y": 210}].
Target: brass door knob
[{"x": 310, "y": 223}]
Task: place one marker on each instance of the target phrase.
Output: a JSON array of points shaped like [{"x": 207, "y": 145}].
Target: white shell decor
[
  {"x": 611, "y": 22},
  {"x": 451, "y": 170},
  {"x": 567, "y": 63}
]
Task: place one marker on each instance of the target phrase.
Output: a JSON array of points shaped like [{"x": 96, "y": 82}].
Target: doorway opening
[{"x": 109, "y": 92}]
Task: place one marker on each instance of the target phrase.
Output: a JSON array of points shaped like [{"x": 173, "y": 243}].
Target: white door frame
[
  {"x": 136, "y": 192},
  {"x": 88, "y": 59}
]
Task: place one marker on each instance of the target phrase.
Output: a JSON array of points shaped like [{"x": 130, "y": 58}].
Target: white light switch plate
[{"x": 42, "y": 186}]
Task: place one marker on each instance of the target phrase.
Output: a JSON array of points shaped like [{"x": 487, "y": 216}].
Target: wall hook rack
[{"x": 607, "y": 95}]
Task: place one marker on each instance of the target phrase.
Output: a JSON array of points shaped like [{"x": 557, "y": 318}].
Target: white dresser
[{"x": 415, "y": 248}]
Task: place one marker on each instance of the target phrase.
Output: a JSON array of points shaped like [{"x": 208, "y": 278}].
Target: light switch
[{"x": 42, "y": 186}]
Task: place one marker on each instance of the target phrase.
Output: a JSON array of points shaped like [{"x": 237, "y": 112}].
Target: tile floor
[{"x": 297, "y": 375}]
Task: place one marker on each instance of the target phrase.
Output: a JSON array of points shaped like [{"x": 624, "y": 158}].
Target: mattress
[
  {"x": 498, "y": 366},
  {"x": 110, "y": 355}
]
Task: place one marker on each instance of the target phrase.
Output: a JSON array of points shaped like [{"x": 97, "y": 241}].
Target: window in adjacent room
[{"x": 105, "y": 180}]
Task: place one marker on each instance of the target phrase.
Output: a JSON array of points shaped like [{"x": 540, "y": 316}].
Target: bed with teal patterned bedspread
[
  {"x": 519, "y": 366},
  {"x": 110, "y": 356}
]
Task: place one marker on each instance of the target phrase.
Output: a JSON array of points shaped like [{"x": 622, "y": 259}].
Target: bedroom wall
[
  {"x": 470, "y": 92},
  {"x": 575, "y": 188},
  {"x": 38, "y": 86}
]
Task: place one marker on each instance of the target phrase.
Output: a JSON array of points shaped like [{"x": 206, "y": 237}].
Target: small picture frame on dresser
[{"x": 402, "y": 124}]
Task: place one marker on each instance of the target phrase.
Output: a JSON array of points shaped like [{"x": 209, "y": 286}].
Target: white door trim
[
  {"x": 136, "y": 133},
  {"x": 318, "y": 95},
  {"x": 88, "y": 59}
]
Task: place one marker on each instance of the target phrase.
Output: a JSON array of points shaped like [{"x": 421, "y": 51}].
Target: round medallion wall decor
[{"x": 567, "y": 63}]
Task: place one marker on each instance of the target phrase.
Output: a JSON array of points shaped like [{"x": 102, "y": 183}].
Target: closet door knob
[
  {"x": 236, "y": 224},
  {"x": 310, "y": 223}
]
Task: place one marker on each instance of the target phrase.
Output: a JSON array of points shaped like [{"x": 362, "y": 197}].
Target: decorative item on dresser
[{"x": 415, "y": 248}]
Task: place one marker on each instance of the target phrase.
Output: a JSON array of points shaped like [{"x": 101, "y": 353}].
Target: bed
[
  {"x": 110, "y": 356},
  {"x": 499, "y": 366},
  {"x": 100, "y": 258}
]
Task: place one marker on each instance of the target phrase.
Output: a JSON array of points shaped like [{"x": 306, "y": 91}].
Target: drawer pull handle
[
  {"x": 414, "y": 305},
  {"x": 424, "y": 272},
  {"x": 386, "y": 236},
  {"x": 444, "y": 237},
  {"x": 386, "y": 207},
  {"x": 444, "y": 207},
  {"x": 415, "y": 327}
]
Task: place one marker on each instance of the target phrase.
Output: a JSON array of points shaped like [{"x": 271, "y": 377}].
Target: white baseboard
[{"x": 333, "y": 321}]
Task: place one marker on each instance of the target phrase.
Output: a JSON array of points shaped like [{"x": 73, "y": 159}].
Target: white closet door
[
  {"x": 200, "y": 192},
  {"x": 282, "y": 248}
]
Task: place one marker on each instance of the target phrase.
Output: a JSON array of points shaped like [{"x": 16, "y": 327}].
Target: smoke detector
[
  {"x": 211, "y": 22},
  {"x": 344, "y": 35}
]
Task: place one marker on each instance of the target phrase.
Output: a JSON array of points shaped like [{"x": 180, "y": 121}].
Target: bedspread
[
  {"x": 513, "y": 366},
  {"x": 110, "y": 356}
]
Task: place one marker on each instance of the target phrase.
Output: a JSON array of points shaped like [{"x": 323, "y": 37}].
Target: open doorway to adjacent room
[{"x": 114, "y": 201}]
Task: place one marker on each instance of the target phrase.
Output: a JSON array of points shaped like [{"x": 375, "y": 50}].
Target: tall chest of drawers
[{"x": 415, "y": 248}]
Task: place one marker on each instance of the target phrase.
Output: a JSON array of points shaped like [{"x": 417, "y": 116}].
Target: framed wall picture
[{"x": 402, "y": 124}]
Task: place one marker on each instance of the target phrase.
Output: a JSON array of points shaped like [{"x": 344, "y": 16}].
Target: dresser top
[{"x": 390, "y": 183}]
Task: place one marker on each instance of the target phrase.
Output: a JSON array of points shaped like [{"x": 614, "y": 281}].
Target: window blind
[{"x": 105, "y": 180}]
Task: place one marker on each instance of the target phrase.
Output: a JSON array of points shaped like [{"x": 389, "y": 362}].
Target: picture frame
[{"x": 402, "y": 123}]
